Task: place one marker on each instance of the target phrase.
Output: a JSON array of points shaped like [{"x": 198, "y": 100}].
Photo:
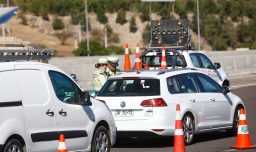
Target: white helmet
[{"x": 102, "y": 61}]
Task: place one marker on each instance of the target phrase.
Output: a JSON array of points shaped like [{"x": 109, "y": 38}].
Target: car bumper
[{"x": 150, "y": 127}]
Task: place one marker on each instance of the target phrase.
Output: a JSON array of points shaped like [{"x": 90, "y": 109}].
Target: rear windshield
[
  {"x": 131, "y": 87},
  {"x": 156, "y": 60}
]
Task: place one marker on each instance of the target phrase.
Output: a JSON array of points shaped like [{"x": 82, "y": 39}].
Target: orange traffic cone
[
  {"x": 137, "y": 64},
  {"x": 62, "y": 145},
  {"x": 179, "y": 145},
  {"x": 243, "y": 138},
  {"x": 127, "y": 64},
  {"x": 163, "y": 61}
]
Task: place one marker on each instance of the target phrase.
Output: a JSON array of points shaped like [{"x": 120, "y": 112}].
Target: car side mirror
[
  {"x": 87, "y": 99},
  {"x": 217, "y": 65},
  {"x": 226, "y": 89}
]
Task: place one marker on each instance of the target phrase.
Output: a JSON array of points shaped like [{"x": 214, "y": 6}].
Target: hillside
[
  {"x": 225, "y": 25},
  {"x": 40, "y": 32}
]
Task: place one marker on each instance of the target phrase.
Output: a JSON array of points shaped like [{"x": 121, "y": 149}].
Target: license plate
[{"x": 123, "y": 113}]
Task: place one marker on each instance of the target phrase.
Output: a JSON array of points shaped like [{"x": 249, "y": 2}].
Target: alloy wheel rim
[
  {"x": 188, "y": 128},
  {"x": 101, "y": 142},
  {"x": 14, "y": 148}
]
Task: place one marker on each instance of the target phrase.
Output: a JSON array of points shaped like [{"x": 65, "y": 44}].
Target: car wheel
[
  {"x": 101, "y": 140},
  {"x": 234, "y": 129},
  {"x": 13, "y": 145},
  {"x": 188, "y": 128}
]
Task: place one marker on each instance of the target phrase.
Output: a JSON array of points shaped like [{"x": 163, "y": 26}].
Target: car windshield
[
  {"x": 131, "y": 87},
  {"x": 156, "y": 60}
]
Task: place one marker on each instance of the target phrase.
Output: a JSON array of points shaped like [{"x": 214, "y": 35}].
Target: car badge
[{"x": 122, "y": 104}]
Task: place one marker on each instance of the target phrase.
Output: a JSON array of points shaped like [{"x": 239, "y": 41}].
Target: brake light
[{"x": 157, "y": 102}]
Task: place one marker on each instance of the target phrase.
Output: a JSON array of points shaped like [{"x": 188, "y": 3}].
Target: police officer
[
  {"x": 100, "y": 76},
  {"x": 112, "y": 66}
]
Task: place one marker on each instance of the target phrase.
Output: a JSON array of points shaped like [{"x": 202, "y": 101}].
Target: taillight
[{"x": 157, "y": 102}]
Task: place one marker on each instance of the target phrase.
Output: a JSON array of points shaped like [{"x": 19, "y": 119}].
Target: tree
[
  {"x": 146, "y": 35},
  {"x": 57, "y": 23},
  {"x": 102, "y": 18},
  {"x": 121, "y": 17},
  {"x": 133, "y": 27},
  {"x": 63, "y": 36}
]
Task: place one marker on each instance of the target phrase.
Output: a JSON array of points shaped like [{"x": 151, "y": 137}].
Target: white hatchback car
[
  {"x": 192, "y": 59},
  {"x": 38, "y": 102},
  {"x": 143, "y": 103}
]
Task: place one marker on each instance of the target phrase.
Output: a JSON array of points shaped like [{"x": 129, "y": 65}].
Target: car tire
[
  {"x": 13, "y": 145},
  {"x": 101, "y": 140},
  {"x": 188, "y": 128},
  {"x": 234, "y": 129}
]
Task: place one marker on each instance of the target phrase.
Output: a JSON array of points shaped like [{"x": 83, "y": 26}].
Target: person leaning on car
[
  {"x": 100, "y": 76},
  {"x": 112, "y": 66}
]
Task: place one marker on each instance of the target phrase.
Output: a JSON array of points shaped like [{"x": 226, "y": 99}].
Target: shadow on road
[{"x": 161, "y": 142}]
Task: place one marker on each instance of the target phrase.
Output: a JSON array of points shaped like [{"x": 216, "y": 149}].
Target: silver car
[{"x": 143, "y": 103}]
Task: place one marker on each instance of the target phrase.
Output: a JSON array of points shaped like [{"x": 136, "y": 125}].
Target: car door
[
  {"x": 39, "y": 109},
  {"x": 220, "y": 104},
  {"x": 74, "y": 119},
  {"x": 208, "y": 67},
  {"x": 199, "y": 106}
]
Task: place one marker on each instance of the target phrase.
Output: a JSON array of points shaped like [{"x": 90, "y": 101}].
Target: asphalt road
[{"x": 207, "y": 142}]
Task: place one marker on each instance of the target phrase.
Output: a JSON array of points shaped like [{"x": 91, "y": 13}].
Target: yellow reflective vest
[{"x": 99, "y": 78}]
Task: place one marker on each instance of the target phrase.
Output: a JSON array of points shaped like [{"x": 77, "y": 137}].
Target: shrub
[
  {"x": 57, "y": 24},
  {"x": 133, "y": 27},
  {"x": 146, "y": 35},
  {"x": 121, "y": 17},
  {"x": 102, "y": 18},
  {"x": 24, "y": 20}
]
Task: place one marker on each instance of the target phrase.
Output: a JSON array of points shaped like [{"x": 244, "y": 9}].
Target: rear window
[
  {"x": 156, "y": 60},
  {"x": 131, "y": 87}
]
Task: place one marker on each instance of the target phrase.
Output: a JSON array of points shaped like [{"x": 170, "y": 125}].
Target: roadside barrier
[
  {"x": 163, "y": 61},
  {"x": 243, "y": 138},
  {"x": 179, "y": 145},
  {"x": 137, "y": 64},
  {"x": 127, "y": 63},
  {"x": 62, "y": 145}
]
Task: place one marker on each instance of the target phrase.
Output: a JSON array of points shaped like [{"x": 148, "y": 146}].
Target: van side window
[{"x": 65, "y": 89}]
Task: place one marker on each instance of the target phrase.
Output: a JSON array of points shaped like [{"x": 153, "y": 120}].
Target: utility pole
[
  {"x": 106, "y": 37},
  {"x": 87, "y": 27},
  {"x": 198, "y": 25}
]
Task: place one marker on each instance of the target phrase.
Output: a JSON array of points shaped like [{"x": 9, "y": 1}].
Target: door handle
[
  {"x": 212, "y": 99},
  {"x": 62, "y": 112},
  {"x": 50, "y": 113},
  {"x": 192, "y": 100}
]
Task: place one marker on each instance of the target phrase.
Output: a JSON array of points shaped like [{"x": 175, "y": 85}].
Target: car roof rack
[
  {"x": 14, "y": 55},
  {"x": 13, "y": 49}
]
